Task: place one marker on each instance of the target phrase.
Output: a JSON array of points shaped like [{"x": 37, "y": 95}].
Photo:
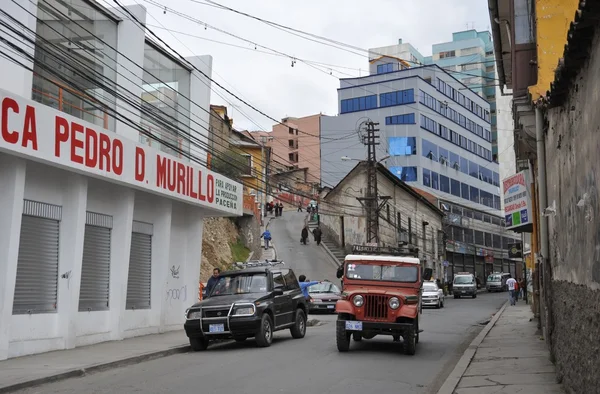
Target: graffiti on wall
[{"x": 176, "y": 294}]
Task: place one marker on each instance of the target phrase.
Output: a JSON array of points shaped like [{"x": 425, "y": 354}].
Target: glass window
[
  {"x": 402, "y": 146},
  {"x": 392, "y": 273},
  {"x": 290, "y": 279},
  {"x": 166, "y": 84},
  {"x": 435, "y": 180},
  {"x": 407, "y": 174},
  {"x": 487, "y": 174},
  {"x": 497, "y": 241},
  {"x": 479, "y": 238},
  {"x": 426, "y": 177},
  {"x": 455, "y": 187},
  {"x": 469, "y": 235},
  {"x": 473, "y": 169},
  {"x": 464, "y": 165},
  {"x": 430, "y": 150},
  {"x": 496, "y": 202},
  {"x": 408, "y": 96},
  {"x": 477, "y": 215},
  {"x": 496, "y": 178},
  {"x": 488, "y": 239},
  {"x": 474, "y": 194},
  {"x": 278, "y": 281},
  {"x": 444, "y": 184},
  {"x": 454, "y": 160},
  {"x": 464, "y": 191},
  {"x": 443, "y": 154},
  {"x": 457, "y": 234},
  {"x": 82, "y": 67}
]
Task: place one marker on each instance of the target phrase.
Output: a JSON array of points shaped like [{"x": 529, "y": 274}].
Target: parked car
[
  {"x": 252, "y": 302},
  {"x": 496, "y": 281},
  {"x": 381, "y": 296},
  {"x": 323, "y": 297},
  {"x": 433, "y": 295}
]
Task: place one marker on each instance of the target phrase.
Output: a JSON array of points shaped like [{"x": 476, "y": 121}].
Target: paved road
[{"x": 309, "y": 365}]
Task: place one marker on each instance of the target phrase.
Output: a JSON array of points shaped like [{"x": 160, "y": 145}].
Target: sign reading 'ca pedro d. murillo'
[{"x": 38, "y": 132}]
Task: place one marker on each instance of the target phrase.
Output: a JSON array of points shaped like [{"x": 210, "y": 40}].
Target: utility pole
[{"x": 371, "y": 201}]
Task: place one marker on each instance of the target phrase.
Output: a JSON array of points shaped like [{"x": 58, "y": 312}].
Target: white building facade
[{"x": 101, "y": 204}]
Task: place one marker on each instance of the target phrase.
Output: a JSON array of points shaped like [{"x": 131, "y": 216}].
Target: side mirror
[
  {"x": 427, "y": 273},
  {"x": 278, "y": 291}
]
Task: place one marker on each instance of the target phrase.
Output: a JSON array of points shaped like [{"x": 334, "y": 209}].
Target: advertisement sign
[
  {"x": 517, "y": 202},
  {"x": 37, "y": 132},
  {"x": 515, "y": 250}
]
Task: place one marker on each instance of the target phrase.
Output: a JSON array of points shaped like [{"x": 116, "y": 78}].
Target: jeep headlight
[
  {"x": 358, "y": 300},
  {"x": 194, "y": 315},
  {"x": 394, "y": 303},
  {"x": 245, "y": 310}
]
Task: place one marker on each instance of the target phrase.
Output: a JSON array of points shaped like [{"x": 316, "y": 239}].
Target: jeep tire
[
  {"x": 264, "y": 335},
  {"x": 198, "y": 344},
  {"x": 299, "y": 329},
  {"x": 410, "y": 340},
  {"x": 342, "y": 337}
]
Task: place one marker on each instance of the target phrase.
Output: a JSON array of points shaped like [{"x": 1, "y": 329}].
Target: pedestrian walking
[
  {"x": 300, "y": 207},
  {"x": 212, "y": 281},
  {"x": 280, "y": 208},
  {"x": 267, "y": 236},
  {"x": 304, "y": 235},
  {"x": 317, "y": 233},
  {"x": 522, "y": 288},
  {"x": 517, "y": 291},
  {"x": 510, "y": 283}
]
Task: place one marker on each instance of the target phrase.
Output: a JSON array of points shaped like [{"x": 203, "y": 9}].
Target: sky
[{"x": 268, "y": 81}]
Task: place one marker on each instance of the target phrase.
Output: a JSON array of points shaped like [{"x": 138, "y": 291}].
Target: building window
[
  {"x": 430, "y": 150},
  {"x": 444, "y": 184},
  {"x": 400, "y": 119},
  {"x": 397, "y": 98},
  {"x": 435, "y": 180},
  {"x": 479, "y": 238},
  {"x": 469, "y": 235},
  {"x": 497, "y": 241},
  {"x": 488, "y": 239},
  {"x": 474, "y": 194},
  {"x": 446, "y": 54},
  {"x": 455, "y": 187},
  {"x": 402, "y": 146},
  {"x": 426, "y": 177},
  {"x": 139, "y": 279},
  {"x": 359, "y": 104},
  {"x": 385, "y": 68},
  {"x": 407, "y": 174},
  {"x": 464, "y": 191},
  {"x": 74, "y": 71}
]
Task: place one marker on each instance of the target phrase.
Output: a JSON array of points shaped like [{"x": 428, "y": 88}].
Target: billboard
[{"x": 517, "y": 202}]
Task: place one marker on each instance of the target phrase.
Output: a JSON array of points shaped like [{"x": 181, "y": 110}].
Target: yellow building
[{"x": 251, "y": 159}]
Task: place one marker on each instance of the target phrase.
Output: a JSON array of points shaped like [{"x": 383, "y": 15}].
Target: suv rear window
[{"x": 389, "y": 273}]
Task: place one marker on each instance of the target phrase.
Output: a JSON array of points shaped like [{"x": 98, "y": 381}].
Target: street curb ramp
[
  {"x": 463, "y": 363},
  {"x": 80, "y": 372}
]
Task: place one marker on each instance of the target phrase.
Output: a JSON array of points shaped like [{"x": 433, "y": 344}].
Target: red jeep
[{"x": 381, "y": 295}]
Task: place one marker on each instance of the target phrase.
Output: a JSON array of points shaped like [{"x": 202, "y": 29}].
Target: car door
[{"x": 281, "y": 302}]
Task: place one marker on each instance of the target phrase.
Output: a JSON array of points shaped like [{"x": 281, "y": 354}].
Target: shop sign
[
  {"x": 515, "y": 250},
  {"x": 517, "y": 201},
  {"x": 37, "y": 132}
]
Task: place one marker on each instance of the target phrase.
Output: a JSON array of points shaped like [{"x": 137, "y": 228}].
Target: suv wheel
[
  {"x": 474, "y": 295},
  {"x": 342, "y": 337},
  {"x": 299, "y": 328},
  {"x": 410, "y": 341},
  {"x": 264, "y": 336},
  {"x": 198, "y": 344}
]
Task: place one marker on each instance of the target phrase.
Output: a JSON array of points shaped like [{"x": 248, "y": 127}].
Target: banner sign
[
  {"x": 517, "y": 201},
  {"x": 37, "y": 132}
]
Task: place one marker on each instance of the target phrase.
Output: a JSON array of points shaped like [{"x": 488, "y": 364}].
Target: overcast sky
[{"x": 269, "y": 82}]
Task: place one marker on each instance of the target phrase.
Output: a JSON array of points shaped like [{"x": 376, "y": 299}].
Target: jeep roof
[{"x": 393, "y": 259}]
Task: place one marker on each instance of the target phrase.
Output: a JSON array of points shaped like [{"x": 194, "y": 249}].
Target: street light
[{"x": 346, "y": 158}]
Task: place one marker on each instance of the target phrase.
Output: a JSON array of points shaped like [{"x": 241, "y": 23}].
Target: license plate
[
  {"x": 216, "y": 328},
  {"x": 354, "y": 325},
  {"x": 330, "y": 306},
  {"x": 463, "y": 292}
]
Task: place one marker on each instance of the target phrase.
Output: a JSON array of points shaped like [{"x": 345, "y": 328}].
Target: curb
[
  {"x": 95, "y": 368},
  {"x": 335, "y": 261},
  {"x": 463, "y": 363}
]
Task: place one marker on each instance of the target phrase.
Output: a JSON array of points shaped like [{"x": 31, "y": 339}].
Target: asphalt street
[{"x": 309, "y": 365}]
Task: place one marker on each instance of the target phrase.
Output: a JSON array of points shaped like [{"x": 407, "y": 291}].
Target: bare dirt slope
[{"x": 218, "y": 236}]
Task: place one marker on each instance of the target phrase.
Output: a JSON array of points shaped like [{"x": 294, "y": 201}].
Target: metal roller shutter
[
  {"x": 95, "y": 268},
  {"x": 36, "y": 287},
  {"x": 139, "y": 279}
]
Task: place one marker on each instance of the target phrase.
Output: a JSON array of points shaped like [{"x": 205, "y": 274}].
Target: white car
[{"x": 432, "y": 295}]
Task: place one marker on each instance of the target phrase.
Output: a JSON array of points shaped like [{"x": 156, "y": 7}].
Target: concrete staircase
[{"x": 336, "y": 253}]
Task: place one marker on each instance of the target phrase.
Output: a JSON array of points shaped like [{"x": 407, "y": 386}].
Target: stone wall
[{"x": 573, "y": 179}]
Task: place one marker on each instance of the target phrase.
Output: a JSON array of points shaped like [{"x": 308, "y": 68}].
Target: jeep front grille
[
  {"x": 215, "y": 313},
  {"x": 376, "y": 307}
]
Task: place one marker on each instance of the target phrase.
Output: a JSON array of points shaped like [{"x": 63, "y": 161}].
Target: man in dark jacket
[
  {"x": 304, "y": 235},
  {"x": 212, "y": 281},
  {"x": 317, "y": 234}
]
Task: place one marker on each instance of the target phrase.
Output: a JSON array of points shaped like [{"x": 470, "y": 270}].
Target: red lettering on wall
[
  {"x": 171, "y": 175},
  {"x": 161, "y": 172},
  {"x": 12, "y": 137},
  {"x": 104, "y": 153},
  {"x": 210, "y": 188},
  {"x": 30, "y": 129},
  {"x": 191, "y": 191},
  {"x": 140, "y": 164},
  {"x": 61, "y": 134},
  {"x": 91, "y": 148},
  {"x": 181, "y": 178},
  {"x": 201, "y": 196},
  {"x": 117, "y": 156},
  {"x": 76, "y": 128}
]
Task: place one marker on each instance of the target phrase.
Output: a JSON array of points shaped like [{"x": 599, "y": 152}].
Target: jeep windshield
[
  {"x": 389, "y": 273},
  {"x": 240, "y": 284},
  {"x": 463, "y": 280}
]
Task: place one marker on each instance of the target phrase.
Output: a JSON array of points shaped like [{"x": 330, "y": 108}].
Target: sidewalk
[
  {"x": 508, "y": 356},
  {"x": 27, "y": 371}
]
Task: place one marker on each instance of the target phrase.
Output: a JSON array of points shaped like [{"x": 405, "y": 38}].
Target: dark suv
[{"x": 252, "y": 302}]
